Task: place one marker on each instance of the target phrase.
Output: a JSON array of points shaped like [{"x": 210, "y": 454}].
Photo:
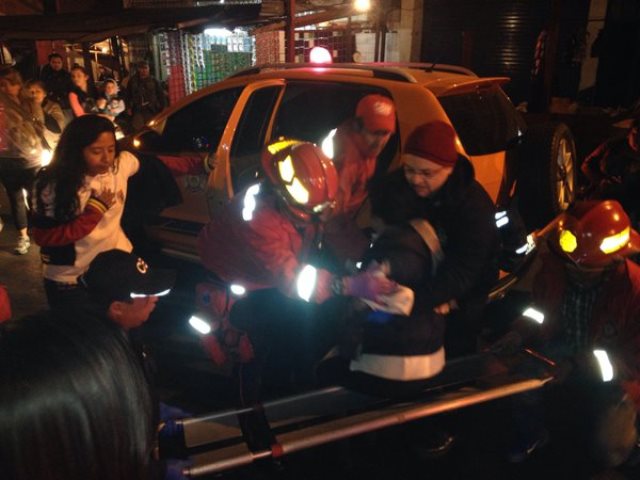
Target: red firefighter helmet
[
  {"x": 304, "y": 176},
  {"x": 594, "y": 234}
]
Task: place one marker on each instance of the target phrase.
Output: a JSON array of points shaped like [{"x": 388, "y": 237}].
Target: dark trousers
[
  {"x": 288, "y": 336},
  {"x": 15, "y": 178},
  {"x": 64, "y": 294},
  {"x": 595, "y": 419},
  {"x": 463, "y": 327}
]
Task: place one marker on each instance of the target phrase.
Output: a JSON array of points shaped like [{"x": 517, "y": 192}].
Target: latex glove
[
  {"x": 170, "y": 430},
  {"x": 369, "y": 285},
  {"x": 169, "y": 412},
  {"x": 508, "y": 344},
  {"x": 175, "y": 468}
]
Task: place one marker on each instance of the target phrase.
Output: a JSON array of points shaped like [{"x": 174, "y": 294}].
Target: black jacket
[
  {"x": 464, "y": 217},
  {"x": 409, "y": 261},
  {"x": 58, "y": 84}
]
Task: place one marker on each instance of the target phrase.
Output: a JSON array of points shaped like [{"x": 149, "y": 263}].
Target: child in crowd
[
  {"x": 110, "y": 103},
  {"x": 82, "y": 96},
  {"x": 47, "y": 112},
  {"x": 19, "y": 153},
  {"x": 78, "y": 204}
]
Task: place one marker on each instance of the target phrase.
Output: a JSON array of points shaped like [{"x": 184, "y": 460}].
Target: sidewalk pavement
[{"x": 21, "y": 273}]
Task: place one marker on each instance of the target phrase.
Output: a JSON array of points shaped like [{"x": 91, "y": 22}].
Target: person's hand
[
  {"x": 508, "y": 344},
  {"x": 175, "y": 468},
  {"x": 211, "y": 160},
  {"x": 616, "y": 179},
  {"x": 169, "y": 426},
  {"x": 101, "y": 103},
  {"x": 170, "y": 430},
  {"x": 446, "y": 307},
  {"x": 35, "y": 109},
  {"x": 108, "y": 197},
  {"x": 563, "y": 369},
  {"x": 369, "y": 285}
]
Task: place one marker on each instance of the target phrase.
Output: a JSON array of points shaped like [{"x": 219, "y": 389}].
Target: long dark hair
[
  {"x": 74, "y": 401},
  {"x": 68, "y": 167}
]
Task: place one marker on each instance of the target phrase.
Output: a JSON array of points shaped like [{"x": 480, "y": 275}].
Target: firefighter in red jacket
[
  {"x": 268, "y": 242},
  {"x": 355, "y": 148},
  {"x": 587, "y": 298}
]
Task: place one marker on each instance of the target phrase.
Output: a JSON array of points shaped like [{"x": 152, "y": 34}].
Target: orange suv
[{"x": 532, "y": 169}]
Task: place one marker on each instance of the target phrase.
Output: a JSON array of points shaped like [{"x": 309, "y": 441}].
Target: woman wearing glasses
[{"x": 438, "y": 184}]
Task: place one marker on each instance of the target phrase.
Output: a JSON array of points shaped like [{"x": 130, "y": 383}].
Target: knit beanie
[
  {"x": 377, "y": 113},
  {"x": 434, "y": 141}
]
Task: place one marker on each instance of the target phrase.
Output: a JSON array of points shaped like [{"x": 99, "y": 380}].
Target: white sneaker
[{"x": 22, "y": 246}]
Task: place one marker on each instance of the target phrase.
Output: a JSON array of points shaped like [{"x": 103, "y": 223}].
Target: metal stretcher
[{"x": 216, "y": 442}]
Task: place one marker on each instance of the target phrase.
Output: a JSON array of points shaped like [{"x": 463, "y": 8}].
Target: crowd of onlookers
[
  {"x": 38, "y": 110},
  {"x": 129, "y": 105}
]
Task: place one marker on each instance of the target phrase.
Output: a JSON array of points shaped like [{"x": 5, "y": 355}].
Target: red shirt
[{"x": 355, "y": 169}]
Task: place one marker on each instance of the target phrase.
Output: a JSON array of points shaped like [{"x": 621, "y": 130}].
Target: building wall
[
  {"x": 597, "y": 14},
  {"x": 498, "y": 38},
  {"x": 618, "y": 77},
  {"x": 410, "y": 30}
]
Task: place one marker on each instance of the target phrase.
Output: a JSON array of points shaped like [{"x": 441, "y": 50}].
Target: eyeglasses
[{"x": 409, "y": 170}]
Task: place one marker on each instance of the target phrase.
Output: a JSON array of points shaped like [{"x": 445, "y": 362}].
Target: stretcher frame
[{"x": 216, "y": 442}]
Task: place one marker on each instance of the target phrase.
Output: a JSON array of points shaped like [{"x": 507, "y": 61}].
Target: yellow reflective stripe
[
  {"x": 568, "y": 241},
  {"x": 298, "y": 192},
  {"x": 616, "y": 242},
  {"x": 286, "y": 170}
]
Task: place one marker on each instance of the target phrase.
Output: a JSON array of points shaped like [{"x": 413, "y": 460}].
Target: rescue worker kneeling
[
  {"x": 268, "y": 241},
  {"x": 587, "y": 304}
]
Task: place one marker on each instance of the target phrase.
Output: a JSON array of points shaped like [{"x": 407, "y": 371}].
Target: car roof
[{"x": 440, "y": 79}]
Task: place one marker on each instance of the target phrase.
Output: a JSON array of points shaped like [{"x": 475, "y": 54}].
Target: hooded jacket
[
  {"x": 464, "y": 218},
  {"x": 400, "y": 347}
]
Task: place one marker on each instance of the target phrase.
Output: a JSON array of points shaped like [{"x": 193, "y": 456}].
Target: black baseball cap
[{"x": 116, "y": 275}]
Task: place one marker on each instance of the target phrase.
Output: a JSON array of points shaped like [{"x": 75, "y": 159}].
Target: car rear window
[{"x": 485, "y": 119}]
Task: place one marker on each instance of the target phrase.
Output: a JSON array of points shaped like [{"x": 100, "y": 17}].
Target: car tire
[{"x": 546, "y": 181}]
